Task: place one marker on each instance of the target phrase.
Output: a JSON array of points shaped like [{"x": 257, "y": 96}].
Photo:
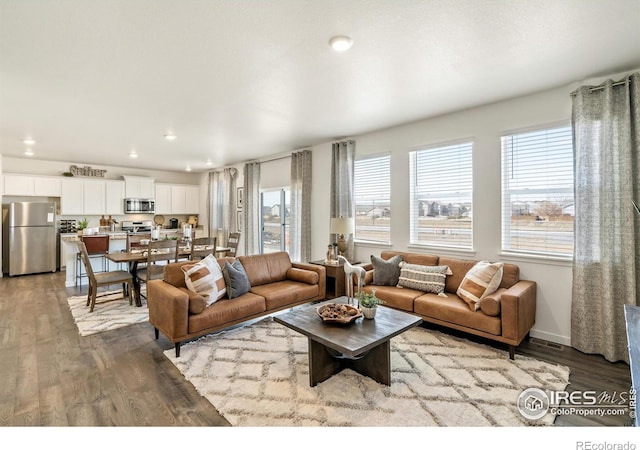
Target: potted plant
[
  {"x": 369, "y": 304},
  {"x": 82, "y": 224}
]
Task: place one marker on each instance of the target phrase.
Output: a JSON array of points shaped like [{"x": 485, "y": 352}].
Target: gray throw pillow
[
  {"x": 386, "y": 272},
  {"x": 236, "y": 279}
]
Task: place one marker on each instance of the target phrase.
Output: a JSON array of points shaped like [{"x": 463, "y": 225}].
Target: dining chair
[
  {"x": 159, "y": 253},
  {"x": 133, "y": 240},
  {"x": 101, "y": 279},
  {"x": 232, "y": 243},
  {"x": 201, "y": 247},
  {"x": 97, "y": 247}
]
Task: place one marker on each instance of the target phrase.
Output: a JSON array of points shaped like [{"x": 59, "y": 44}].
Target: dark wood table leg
[
  {"x": 321, "y": 364},
  {"x": 133, "y": 270},
  {"x": 376, "y": 364}
]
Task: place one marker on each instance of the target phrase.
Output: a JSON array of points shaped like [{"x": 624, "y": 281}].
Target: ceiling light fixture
[
  {"x": 133, "y": 154},
  {"x": 209, "y": 163},
  {"x": 188, "y": 169},
  {"x": 341, "y": 43},
  {"x": 28, "y": 152},
  {"x": 170, "y": 136},
  {"x": 29, "y": 141}
]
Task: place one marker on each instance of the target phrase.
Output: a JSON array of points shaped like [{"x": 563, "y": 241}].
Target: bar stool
[{"x": 97, "y": 247}]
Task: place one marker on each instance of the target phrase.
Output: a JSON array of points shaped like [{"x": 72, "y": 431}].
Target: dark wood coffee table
[{"x": 363, "y": 346}]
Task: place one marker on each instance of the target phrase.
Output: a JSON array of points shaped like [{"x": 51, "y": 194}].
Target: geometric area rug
[
  {"x": 110, "y": 312},
  {"x": 258, "y": 375}
]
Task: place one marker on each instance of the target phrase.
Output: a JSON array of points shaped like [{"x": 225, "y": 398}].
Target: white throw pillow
[
  {"x": 483, "y": 279},
  {"x": 205, "y": 278}
]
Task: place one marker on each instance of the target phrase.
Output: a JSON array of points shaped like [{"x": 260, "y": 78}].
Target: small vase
[{"x": 368, "y": 313}]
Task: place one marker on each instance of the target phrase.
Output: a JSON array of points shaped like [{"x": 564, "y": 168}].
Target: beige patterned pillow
[
  {"x": 482, "y": 280},
  {"x": 205, "y": 278}
]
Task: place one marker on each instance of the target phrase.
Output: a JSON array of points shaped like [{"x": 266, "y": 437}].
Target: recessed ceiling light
[
  {"x": 170, "y": 136},
  {"x": 29, "y": 141},
  {"x": 341, "y": 43},
  {"x": 133, "y": 154},
  {"x": 188, "y": 169},
  {"x": 209, "y": 163},
  {"x": 28, "y": 152}
]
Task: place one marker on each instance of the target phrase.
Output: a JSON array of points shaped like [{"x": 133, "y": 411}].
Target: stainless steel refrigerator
[{"x": 32, "y": 237}]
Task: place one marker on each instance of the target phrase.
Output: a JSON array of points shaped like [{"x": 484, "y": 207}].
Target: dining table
[{"x": 137, "y": 255}]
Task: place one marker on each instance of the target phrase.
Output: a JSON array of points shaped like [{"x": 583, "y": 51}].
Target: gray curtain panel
[
  {"x": 251, "y": 207},
  {"x": 342, "y": 203},
  {"x": 221, "y": 211},
  {"x": 300, "y": 203},
  {"x": 606, "y": 267}
]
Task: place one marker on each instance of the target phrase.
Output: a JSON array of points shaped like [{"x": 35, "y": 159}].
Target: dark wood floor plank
[{"x": 52, "y": 376}]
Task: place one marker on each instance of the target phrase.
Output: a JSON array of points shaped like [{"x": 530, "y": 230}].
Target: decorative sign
[{"x": 87, "y": 171}]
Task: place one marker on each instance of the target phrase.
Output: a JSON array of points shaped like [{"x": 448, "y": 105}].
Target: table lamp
[{"x": 342, "y": 226}]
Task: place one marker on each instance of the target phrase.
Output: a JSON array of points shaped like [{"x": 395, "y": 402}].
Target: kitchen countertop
[{"x": 117, "y": 235}]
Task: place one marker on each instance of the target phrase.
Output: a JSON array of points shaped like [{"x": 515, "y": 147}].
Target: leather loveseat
[
  {"x": 506, "y": 315},
  {"x": 276, "y": 283}
]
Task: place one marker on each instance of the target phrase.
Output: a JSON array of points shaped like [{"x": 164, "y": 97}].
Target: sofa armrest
[
  {"x": 518, "y": 310},
  {"x": 168, "y": 309},
  {"x": 322, "y": 275}
]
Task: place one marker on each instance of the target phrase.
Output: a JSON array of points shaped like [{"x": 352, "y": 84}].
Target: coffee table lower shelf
[{"x": 363, "y": 346}]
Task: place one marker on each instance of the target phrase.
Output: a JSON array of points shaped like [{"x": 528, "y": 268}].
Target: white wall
[{"x": 484, "y": 125}]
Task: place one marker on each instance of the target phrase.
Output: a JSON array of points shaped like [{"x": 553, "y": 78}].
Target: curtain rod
[{"x": 599, "y": 88}]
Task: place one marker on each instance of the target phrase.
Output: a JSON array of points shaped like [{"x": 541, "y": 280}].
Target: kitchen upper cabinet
[
  {"x": 72, "y": 198},
  {"x": 139, "y": 187},
  {"x": 94, "y": 197},
  {"x": 114, "y": 197},
  {"x": 177, "y": 199},
  {"x": 32, "y": 185},
  {"x": 163, "y": 198}
]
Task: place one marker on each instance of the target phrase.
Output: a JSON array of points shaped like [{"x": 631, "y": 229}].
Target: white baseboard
[{"x": 558, "y": 339}]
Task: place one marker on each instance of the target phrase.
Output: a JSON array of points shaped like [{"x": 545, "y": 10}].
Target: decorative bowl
[{"x": 338, "y": 313}]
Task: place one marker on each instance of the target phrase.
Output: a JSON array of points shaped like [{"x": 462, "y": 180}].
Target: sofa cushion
[
  {"x": 453, "y": 309},
  {"x": 197, "y": 303},
  {"x": 412, "y": 258},
  {"x": 459, "y": 268},
  {"x": 267, "y": 268},
  {"x": 423, "y": 278},
  {"x": 236, "y": 279},
  {"x": 226, "y": 311},
  {"x": 483, "y": 279},
  {"x": 303, "y": 276},
  {"x": 386, "y": 272},
  {"x": 205, "y": 278},
  {"x": 395, "y": 297},
  {"x": 282, "y": 293}
]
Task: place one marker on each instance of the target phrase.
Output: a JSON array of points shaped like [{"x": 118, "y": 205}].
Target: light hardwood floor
[{"x": 52, "y": 376}]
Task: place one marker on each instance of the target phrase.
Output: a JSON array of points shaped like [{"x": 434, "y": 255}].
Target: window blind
[
  {"x": 372, "y": 195},
  {"x": 441, "y": 196},
  {"x": 537, "y": 192}
]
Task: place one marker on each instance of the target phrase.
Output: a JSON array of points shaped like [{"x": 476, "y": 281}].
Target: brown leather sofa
[
  {"x": 276, "y": 283},
  {"x": 505, "y": 316}
]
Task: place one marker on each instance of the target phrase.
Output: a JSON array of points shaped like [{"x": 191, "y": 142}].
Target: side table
[{"x": 335, "y": 281}]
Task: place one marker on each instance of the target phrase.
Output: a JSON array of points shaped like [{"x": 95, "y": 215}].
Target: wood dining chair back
[
  {"x": 159, "y": 253},
  {"x": 232, "y": 243},
  {"x": 102, "y": 279},
  {"x": 201, "y": 247},
  {"x": 133, "y": 240},
  {"x": 97, "y": 248}
]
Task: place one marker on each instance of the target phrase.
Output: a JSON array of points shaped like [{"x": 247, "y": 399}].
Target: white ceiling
[{"x": 242, "y": 79}]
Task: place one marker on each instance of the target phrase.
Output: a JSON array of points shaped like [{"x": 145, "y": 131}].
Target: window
[
  {"x": 537, "y": 192},
  {"x": 275, "y": 220},
  {"x": 441, "y": 196},
  {"x": 372, "y": 187}
]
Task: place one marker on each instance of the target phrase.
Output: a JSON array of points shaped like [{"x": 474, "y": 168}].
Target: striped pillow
[
  {"x": 483, "y": 279},
  {"x": 205, "y": 278},
  {"x": 429, "y": 279}
]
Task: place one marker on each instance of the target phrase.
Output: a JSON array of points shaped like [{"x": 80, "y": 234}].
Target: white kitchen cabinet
[
  {"x": 72, "y": 197},
  {"x": 32, "y": 185},
  {"x": 177, "y": 199},
  {"x": 163, "y": 198},
  {"x": 139, "y": 187},
  {"x": 192, "y": 202},
  {"x": 114, "y": 197},
  {"x": 94, "y": 197}
]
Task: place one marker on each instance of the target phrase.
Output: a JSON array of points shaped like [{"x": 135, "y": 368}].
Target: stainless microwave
[{"x": 139, "y": 206}]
